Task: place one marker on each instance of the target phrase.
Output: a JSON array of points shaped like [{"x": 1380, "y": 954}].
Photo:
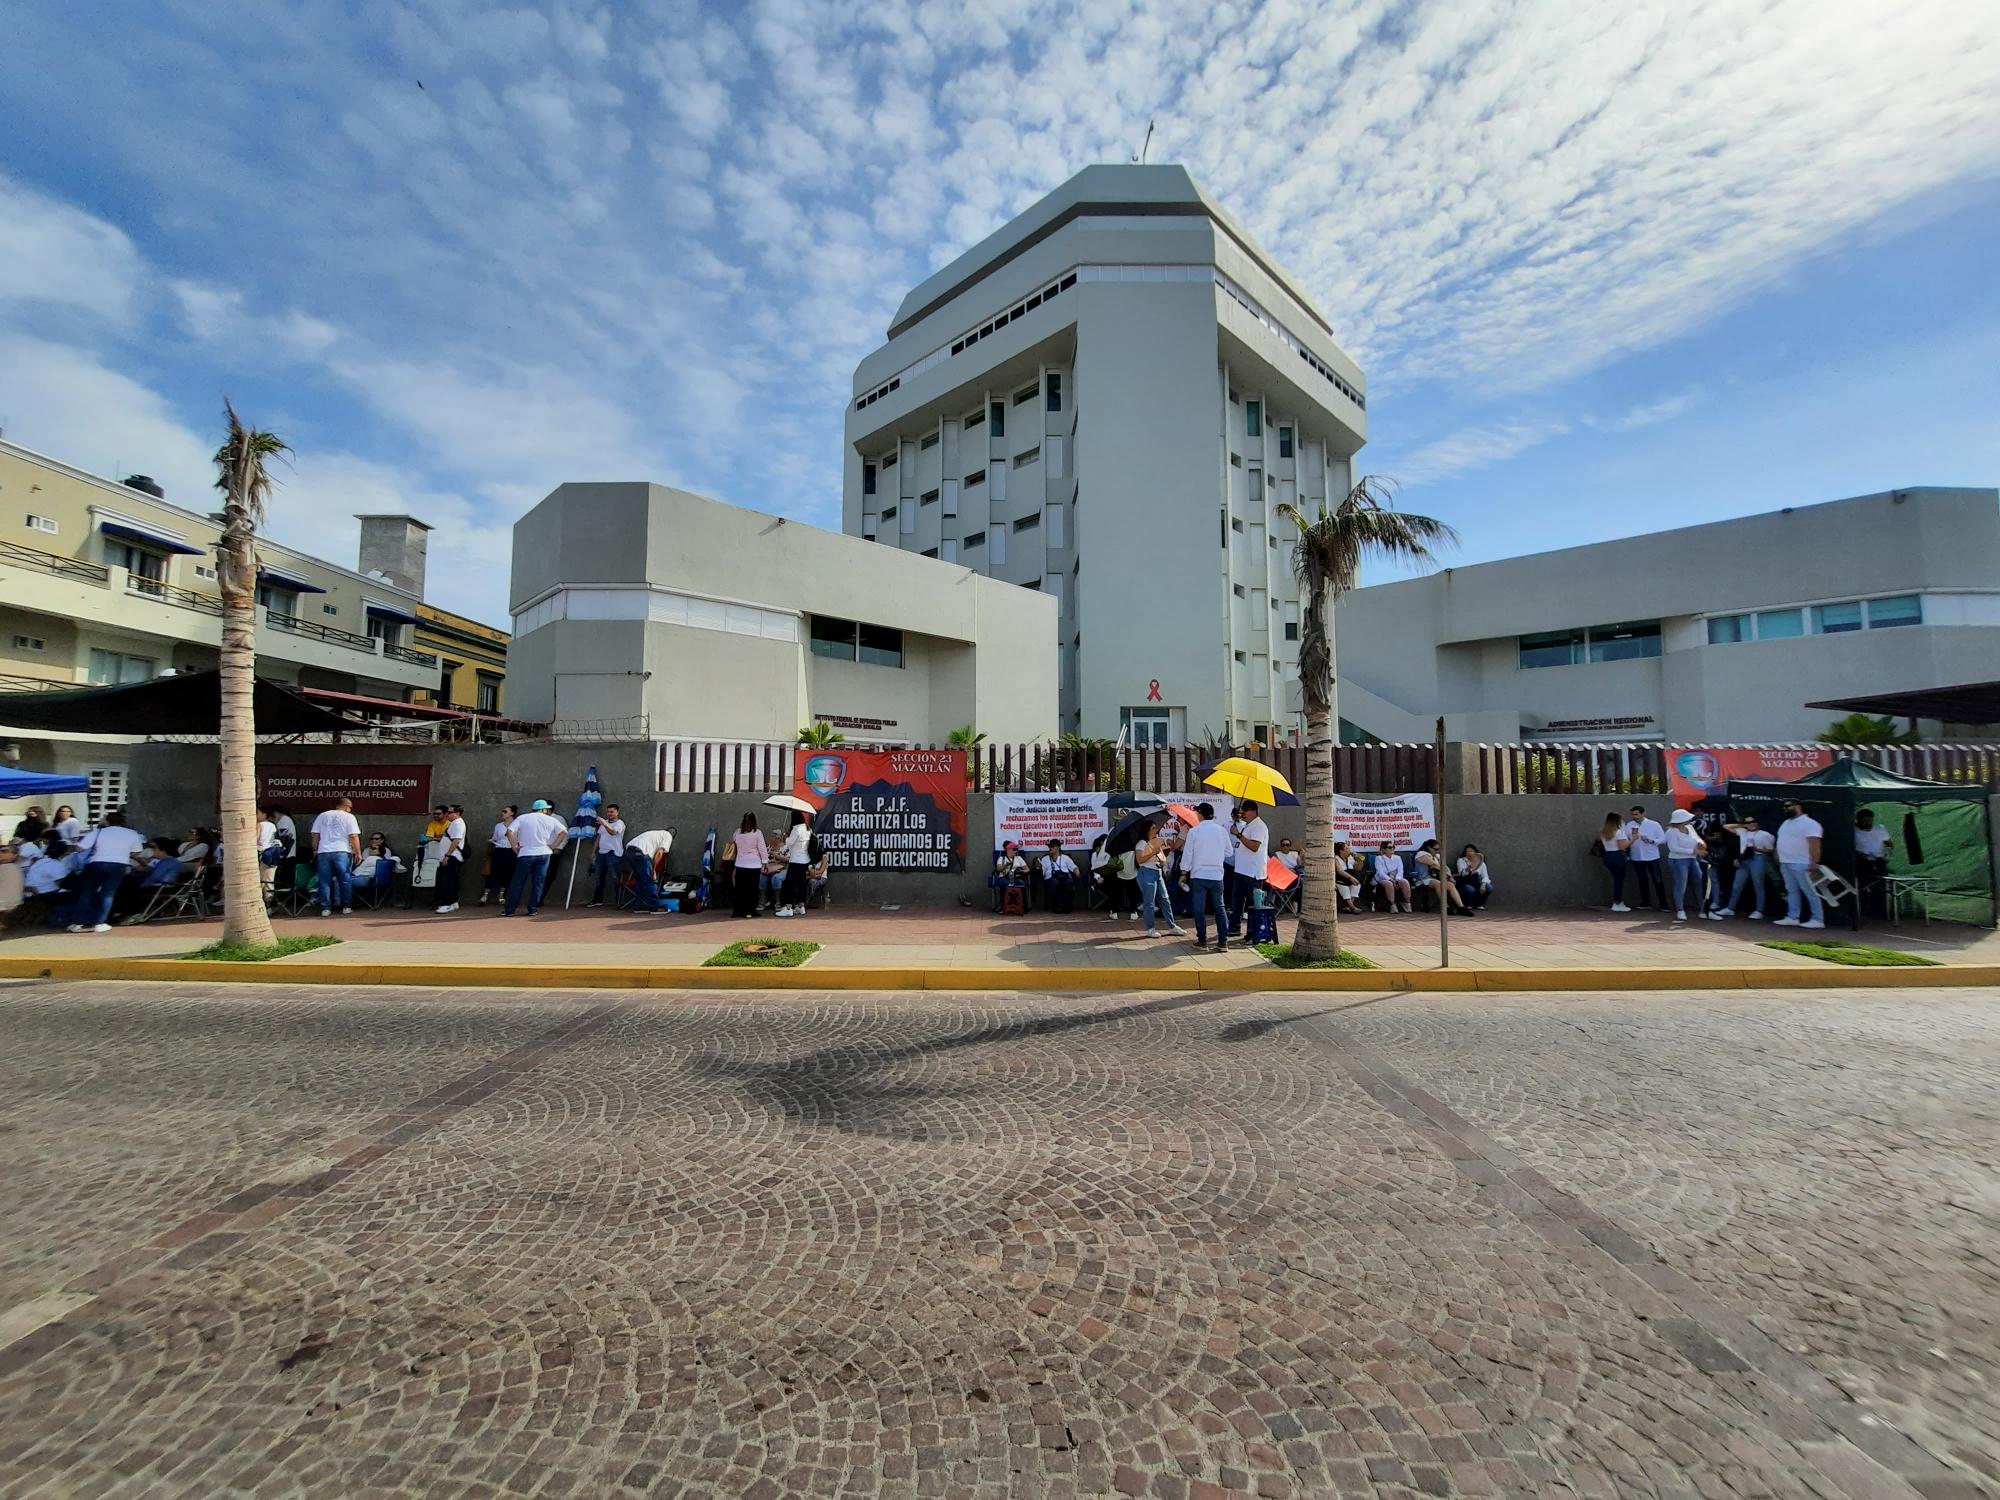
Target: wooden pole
[{"x": 1444, "y": 850}]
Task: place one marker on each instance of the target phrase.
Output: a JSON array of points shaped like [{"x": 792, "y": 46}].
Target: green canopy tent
[{"x": 1942, "y": 830}]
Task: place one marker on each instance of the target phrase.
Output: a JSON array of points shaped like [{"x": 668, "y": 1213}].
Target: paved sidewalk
[{"x": 952, "y": 938}]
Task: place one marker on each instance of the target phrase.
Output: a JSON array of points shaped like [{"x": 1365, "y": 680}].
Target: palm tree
[
  {"x": 821, "y": 736},
  {"x": 968, "y": 739},
  {"x": 1327, "y": 562},
  {"x": 1866, "y": 729},
  {"x": 245, "y": 483}
]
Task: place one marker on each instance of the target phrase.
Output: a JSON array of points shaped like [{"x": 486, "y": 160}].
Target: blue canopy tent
[{"x": 16, "y": 784}]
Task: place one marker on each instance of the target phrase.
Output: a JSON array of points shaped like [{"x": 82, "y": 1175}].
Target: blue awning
[
  {"x": 131, "y": 531},
  {"x": 279, "y": 578},
  {"x": 390, "y": 612}
]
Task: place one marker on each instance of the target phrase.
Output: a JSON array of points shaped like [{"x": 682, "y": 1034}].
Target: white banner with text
[
  {"x": 1031, "y": 819},
  {"x": 1405, "y": 821}
]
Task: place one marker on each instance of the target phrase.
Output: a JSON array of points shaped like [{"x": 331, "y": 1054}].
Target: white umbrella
[{"x": 796, "y": 804}]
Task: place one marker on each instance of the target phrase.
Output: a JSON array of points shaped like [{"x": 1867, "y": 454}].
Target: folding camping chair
[
  {"x": 296, "y": 890},
  {"x": 1286, "y": 902},
  {"x": 186, "y": 897}
]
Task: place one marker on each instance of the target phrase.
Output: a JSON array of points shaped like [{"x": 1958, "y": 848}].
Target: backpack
[{"x": 815, "y": 850}]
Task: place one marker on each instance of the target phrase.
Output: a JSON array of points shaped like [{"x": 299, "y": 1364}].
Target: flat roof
[
  {"x": 1108, "y": 188},
  {"x": 1961, "y": 703}
]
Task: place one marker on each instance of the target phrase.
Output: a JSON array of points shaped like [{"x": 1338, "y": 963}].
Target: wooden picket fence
[
  {"x": 754, "y": 766},
  {"x": 1638, "y": 769},
  {"x": 1506, "y": 770}
]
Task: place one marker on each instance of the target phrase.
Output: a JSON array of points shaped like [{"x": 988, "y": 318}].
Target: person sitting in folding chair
[
  {"x": 376, "y": 871},
  {"x": 1286, "y": 901},
  {"x": 167, "y": 888}
]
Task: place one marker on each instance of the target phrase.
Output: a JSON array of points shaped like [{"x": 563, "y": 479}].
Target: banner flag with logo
[
  {"x": 887, "y": 809},
  {"x": 1693, "y": 774}
]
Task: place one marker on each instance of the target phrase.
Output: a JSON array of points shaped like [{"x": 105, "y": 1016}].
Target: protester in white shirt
[
  {"x": 1346, "y": 877},
  {"x": 1798, "y": 859},
  {"x": 642, "y": 852},
  {"x": 336, "y": 851},
  {"x": 1205, "y": 852},
  {"x": 610, "y": 846},
  {"x": 1753, "y": 868},
  {"x": 107, "y": 859},
  {"x": 1645, "y": 839},
  {"x": 269, "y": 852},
  {"x": 67, "y": 825},
  {"x": 1059, "y": 874},
  {"x": 1872, "y": 847},
  {"x": 1389, "y": 877},
  {"x": 500, "y": 856},
  {"x": 535, "y": 837},
  {"x": 1685, "y": 848},
  {"x": 451, "y": 859},
  {"x": 1155, "y": 854},
  {"x": 1473, "y": 877},
  {"x": 43, "y": 873},
  {"x": 798, "y": 855},
  {"x": 1249, "y": 857}
]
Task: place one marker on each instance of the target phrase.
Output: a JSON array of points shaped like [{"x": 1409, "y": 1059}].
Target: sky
[{"x": 1607, "y": 268}]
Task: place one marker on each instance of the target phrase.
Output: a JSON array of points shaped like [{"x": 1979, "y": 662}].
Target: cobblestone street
[{"x": 294, "y": 1241}]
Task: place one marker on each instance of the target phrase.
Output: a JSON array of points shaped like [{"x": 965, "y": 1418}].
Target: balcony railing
[
  {"x": 167, "y": 593},
  {"x": 48, "y": 562},
  {"x": 319, "y": 632},
  {"x": 10, "y": 683},
  {"x": 414, "y": 658}
]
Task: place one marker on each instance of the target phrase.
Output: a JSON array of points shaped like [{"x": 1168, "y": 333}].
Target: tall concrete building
[{"x": 1104, "y": 400}]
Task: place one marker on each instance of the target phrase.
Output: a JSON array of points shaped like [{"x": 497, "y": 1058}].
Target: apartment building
[
  {"x": 1714, "y": 634},
  {"x": 1104, "y": 401},
  {"x": 109, "y": 582},
  {"x": 472, "y": 660}
]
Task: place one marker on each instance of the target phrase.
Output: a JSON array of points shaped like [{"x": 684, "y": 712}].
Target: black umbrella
[
  {"x": 1122, "y": 801},
  {"x": 1126, "y": 834}
]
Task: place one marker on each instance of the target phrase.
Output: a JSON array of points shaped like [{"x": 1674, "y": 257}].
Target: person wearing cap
[
  {"x": 1798, "y": 857},
  {"x": 451, "y": 859},
  {"x": 1059, "y": 874},
  {"x": 535, "y": 837},
  {"x": 1010, "y": 868},
  {"x": 1684, "y": 851}
]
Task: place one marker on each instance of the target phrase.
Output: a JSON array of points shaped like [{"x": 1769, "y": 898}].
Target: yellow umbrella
[{"x": 1246, "y": 780}]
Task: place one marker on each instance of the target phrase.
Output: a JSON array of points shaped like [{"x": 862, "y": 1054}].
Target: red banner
[
  {"x": 887, "y": 809},
  {"x": 1695, "y": 774},
  {"x": 377, "y": 790}
]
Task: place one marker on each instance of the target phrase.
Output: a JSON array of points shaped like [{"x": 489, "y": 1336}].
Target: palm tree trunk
[
  {"x": 1318, "y": 933},
  {"x": 244, "y": 919}
]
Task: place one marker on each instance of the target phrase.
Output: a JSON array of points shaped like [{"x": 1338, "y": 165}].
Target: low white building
[
  {"x": 1716, "y": 634},
  {"x": 643, "y": 609}
]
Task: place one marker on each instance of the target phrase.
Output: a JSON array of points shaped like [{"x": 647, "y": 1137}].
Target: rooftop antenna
[{"x": 1145, "y": 145}]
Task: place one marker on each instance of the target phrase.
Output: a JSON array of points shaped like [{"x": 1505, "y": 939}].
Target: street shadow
[
  {"x": 1248, "y": 1031},
  {"x": 840, "y": 1087}
]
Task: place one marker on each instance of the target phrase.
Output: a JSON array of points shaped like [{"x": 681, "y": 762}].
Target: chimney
[{"x": 394, "y": 547}]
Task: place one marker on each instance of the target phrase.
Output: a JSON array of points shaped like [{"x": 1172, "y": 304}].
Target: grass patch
[
  {"x": 762, "y": 953},
  {"x": 1280, "y": 955},
  {"x": 1854, "y": 955},
  {"x": 247, "y": 953}
]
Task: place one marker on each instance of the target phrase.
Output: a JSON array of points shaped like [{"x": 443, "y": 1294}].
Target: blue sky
[{"x": 1607, "y": 271}]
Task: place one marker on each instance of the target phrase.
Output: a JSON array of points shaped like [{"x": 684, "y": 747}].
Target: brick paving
[
  {"x": 278, "y": 1242},
  {"x": 952, "y": 937}
]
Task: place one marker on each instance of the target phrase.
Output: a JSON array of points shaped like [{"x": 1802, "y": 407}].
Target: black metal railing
[
  {"x": 49, "y": 562},
  {"x": 319, "y": 632},
  {"x": 414, "y": 658},
  {"x": 167, "y": 593}
]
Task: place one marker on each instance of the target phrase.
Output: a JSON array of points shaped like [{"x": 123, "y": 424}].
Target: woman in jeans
[
  {"x": 1155, "y": 853},
  {"x": 1612, "y": 844},
  {"x": 1685, "y": 876}
]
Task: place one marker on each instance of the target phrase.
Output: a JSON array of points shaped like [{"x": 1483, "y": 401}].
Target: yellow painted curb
[{"x": 814, "y": 977}]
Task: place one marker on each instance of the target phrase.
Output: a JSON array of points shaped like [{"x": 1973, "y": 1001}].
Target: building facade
[
  {"x": 103, "y": 582},
  {"x": 1103, "y": 402},
  {"x": 472, "y": 661},
  {"x": 644, "y": 610},
  {"x": 1716, "y": 634}
]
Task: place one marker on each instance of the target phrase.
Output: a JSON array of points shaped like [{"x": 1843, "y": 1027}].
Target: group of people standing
[
  {"x": 757, "y": 864},
  {"x": 1714, "y": 871}
]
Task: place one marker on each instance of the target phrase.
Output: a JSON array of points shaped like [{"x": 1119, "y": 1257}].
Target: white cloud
[
  {"x": 1474, "y": 448},
  {"x": 52, "y": 253},
  {"x": 63, "y": 402}
]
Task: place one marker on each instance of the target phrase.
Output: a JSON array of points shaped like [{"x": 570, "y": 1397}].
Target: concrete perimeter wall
[{"x": 1537, "y": 844}]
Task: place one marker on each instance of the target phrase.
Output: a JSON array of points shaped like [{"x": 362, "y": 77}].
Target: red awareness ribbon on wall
[{"x": 1153, "y": 691}]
